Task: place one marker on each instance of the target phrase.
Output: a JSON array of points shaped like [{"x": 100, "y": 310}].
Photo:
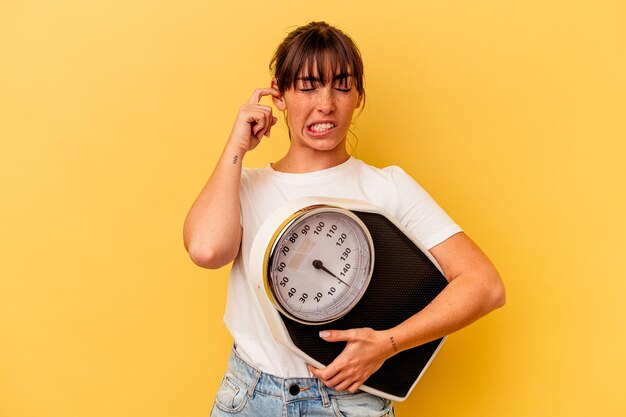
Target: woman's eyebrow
[
  {"x": 341, "y": 76},
  {"x": 312, "y": 79}
]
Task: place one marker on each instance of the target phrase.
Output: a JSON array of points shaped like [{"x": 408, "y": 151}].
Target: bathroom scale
[{"x": 332, "y": 264}]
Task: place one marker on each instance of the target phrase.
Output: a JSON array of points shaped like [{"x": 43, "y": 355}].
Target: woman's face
[{"x": 319, "y": 115}]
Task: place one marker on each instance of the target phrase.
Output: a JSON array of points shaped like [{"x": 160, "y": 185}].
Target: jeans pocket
[
  {"x": 361, "y": 404},
  {"x": 232, "y": 394}
]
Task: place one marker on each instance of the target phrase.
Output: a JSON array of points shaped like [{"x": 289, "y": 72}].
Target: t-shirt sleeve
[{"x": 419, "y": 213}]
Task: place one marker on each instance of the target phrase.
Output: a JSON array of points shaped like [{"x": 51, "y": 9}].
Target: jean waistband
[{"x": 291, "y": 389}]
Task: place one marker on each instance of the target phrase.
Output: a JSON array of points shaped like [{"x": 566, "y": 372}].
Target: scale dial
[{"x": 319, "y": 264}]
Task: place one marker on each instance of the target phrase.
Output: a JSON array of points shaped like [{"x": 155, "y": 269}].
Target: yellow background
[{"x": 112, "y": 114}]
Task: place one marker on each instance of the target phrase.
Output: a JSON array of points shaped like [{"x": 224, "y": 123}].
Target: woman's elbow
[
  {"x": 210, "y": 257},
  {"x": 497, "y": 293}
]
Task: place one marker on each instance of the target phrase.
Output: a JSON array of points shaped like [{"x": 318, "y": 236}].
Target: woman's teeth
[{"x": 321, "y": 127}]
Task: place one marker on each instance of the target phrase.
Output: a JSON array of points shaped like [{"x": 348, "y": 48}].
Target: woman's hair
[{"x": 313, "y": 49}]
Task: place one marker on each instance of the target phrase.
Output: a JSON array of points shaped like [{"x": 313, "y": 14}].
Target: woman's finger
[
  {"x": 257, "y": 122},
  {"x": 260, "y": 92},
  {"x": 257, "y": 111},
  {"x": 354, "y": 387},
  {"x": 270, "y": 120},
  {"x": 269, "y": 128},
  {"x": 341, "y": 382}
]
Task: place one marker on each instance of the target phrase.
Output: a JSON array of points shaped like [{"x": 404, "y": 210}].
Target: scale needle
[{"x": 320, "y": 265}]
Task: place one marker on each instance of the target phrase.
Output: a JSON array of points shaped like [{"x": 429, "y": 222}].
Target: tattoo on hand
[
  {"x": 235, "y": 159},
  {"x": 393, "y": 344}
]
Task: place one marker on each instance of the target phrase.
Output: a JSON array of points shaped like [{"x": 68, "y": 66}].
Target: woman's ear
[
  {"x": 279, "y": 102},
  {"x": 358, "y": 102}
]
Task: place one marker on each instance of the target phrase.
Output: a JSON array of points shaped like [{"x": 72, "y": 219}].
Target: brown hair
[{"x": 311, "y": 49}]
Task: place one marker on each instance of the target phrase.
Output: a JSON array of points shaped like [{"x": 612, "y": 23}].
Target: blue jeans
[{"x": 246, "y": 391}]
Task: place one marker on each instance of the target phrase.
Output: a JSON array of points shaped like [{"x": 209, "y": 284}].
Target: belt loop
[
  {"x": 257, "y": 377},
  {"x": 323, "y": 393}
]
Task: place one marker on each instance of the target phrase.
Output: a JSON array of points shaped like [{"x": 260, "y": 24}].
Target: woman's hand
[
  {"x": 253, "y": 121},
  {"x": 365, "y": 352}
]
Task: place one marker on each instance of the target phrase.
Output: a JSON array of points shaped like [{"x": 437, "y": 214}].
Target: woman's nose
[{"x": 326, "y": 102}]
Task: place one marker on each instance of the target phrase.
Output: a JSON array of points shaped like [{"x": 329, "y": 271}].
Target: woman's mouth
[{"x": 321, "y": 128}]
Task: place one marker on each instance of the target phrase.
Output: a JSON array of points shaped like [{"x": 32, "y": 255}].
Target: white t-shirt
[{"x": 264, "y": 189}]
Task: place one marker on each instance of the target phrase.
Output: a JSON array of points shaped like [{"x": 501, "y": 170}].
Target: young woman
[{"x": 318, "y": 84}]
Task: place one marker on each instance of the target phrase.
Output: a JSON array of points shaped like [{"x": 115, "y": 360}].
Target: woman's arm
[
  {"x": 212, "y": 230},
  {"x": 474, "y": 289}
]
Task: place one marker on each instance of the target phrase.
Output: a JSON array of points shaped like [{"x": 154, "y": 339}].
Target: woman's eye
[
  {"x": 306, "y": 85},
  {"x": 343, "y": 85}
]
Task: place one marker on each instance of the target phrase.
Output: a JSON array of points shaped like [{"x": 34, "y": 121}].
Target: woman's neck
[{"x": 300, "y": 162}]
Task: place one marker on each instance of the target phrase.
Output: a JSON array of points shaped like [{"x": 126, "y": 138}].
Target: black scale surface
[{"x": 403, "y": 282}]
